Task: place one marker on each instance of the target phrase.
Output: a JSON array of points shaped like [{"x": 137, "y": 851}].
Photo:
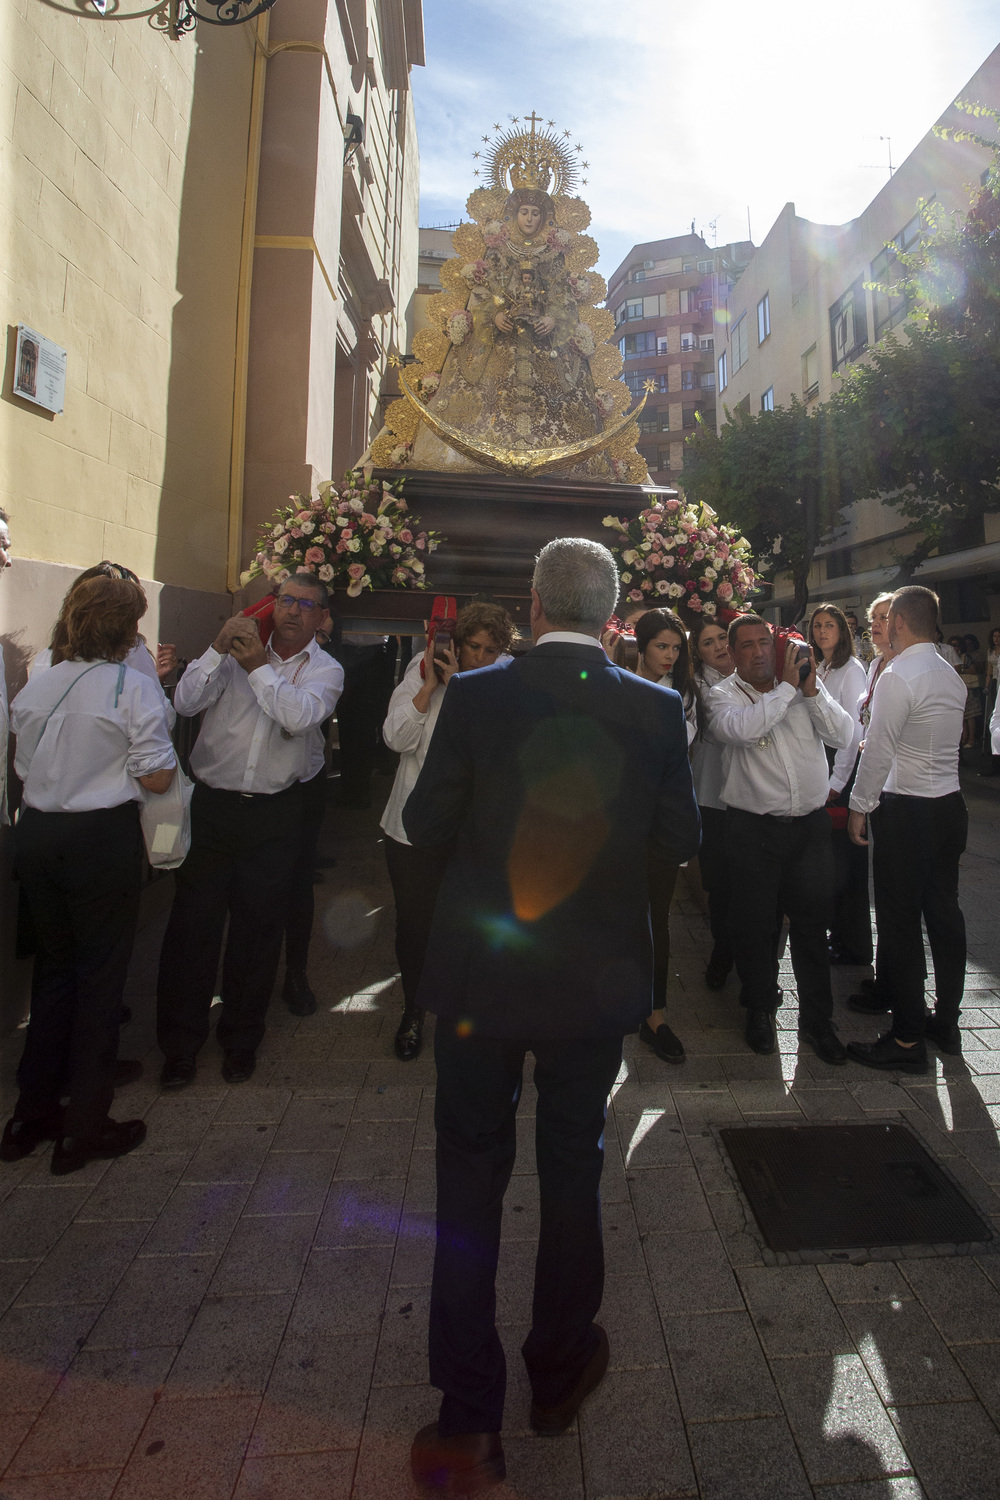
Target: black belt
[{"x": 224, "y": 791}]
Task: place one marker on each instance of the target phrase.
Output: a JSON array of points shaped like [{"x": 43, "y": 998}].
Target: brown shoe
[
  {"x": 551, "y": 1420},
  {"x": 459, "y": 1465}
]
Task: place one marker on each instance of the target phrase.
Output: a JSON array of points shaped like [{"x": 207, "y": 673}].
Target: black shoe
[
  {"x": 888, "y": 1054},
  {"x": 867, "y": 1003},
  {"x": 297, "y": 993},
  {"x": 825, "y": 1042},
  {"x": 127, "y": 1070},
  {"x": 549, "y": 1421},
  {"x": 760, "y": 1032},
  {"x": 410, "y": 1035},
  {"x": 459, "y": 1465},
  {"x": 20, "y": 1137},
  {"x": 237, "y": 1067},
  {"x": 663, "y": 1042},
  {"x": 945, "y": 1035},
  {"x": 116, "y": 1139},
  {"x": 178, "y": 1072},
  {"x": 717, "y": 971}
]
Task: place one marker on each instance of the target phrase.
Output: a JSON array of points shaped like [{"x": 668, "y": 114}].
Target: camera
[
  {"x": 441, "y": 629},
  {"x": 784, "y": 636}
]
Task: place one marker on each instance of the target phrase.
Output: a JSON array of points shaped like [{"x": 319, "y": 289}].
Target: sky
[{"x": 696, "y": 111}]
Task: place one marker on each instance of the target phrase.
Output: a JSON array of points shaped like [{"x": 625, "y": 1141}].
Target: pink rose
[
  {"x": 295, "y": 531},
  {"x": 341, "y": 547},
  {"x": 369, "y": 520},
  {"x": 669, "y": 561},
  {"x": 698, "y": 554},
  {"x": 314, "y": 555},
  {"x": 347, "y": 533},
  {"x": 705, "y": 584},
  {"x": 421, "y": 543},
  {"x": 356, "y": 570},
  {"x": 303, "y": 515},
  {"x": 694, "y": 603},
  {"x": 650, "y": 563},
  {"x": 635, "y": 596},
  {"x": 673, "y": 505},
  {"x": 406, "y": 536},
  {"x": 725, "y": 591},
  {"x": 318, "y": 503}
]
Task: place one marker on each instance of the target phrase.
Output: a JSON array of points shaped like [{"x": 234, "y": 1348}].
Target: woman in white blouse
[
  {"x": 483, "y": 633},
  {"x": 91, "y": 732},
  {"x": 713, "y": 662},
  {"x": 843, "y": 676},
  {"x": 664, "y": 657}
]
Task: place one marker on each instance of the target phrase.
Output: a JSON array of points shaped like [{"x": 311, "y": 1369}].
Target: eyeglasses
[{"x": 292, "y": 601}]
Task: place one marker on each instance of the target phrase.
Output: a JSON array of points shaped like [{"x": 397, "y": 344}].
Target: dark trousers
[
  {"x": 661, "y": 879},
  {"x": 781, "y": 867},
  {"x": 416, "y": 876},
  {"x": 81, "y": 875},
  {"x": 301, "y": 895},
  {"x": 240, "y": 865},
  {"x": 918, "y": 842},
  {"x": 361, "y": 710},
  {"x": 714, "y": 865},
  {"x": 478, "y": 1089}
]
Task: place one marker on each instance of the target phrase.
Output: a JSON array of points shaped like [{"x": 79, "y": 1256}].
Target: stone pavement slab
[{"x": 238, "y": 1310}]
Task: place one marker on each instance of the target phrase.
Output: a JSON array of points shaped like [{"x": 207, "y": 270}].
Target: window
[
  {"x": 635, "y": 307},
  {"x": 707, "y": 382},
  {"x": 767, "y": 400},
  {"x": 849, "y": 325},
  {"x": 744, "y": 405},
  {"x": 636, "y": 380},
  {"x": 638, "y": 274},
  {"x": 688, "y": 418},
  {"x": 889, "y": 307},
  {"x": 839, "y": 564},
  {"x": 764, "y": 318},
  {"x": 637, "y": 345},
  {"x": 687, "y": 380},
  {"x": 648, "y": 425},
  {"x": 663, "y": 458},
  {"x": 687, "y": 342},
  {"x": 705, "y": 266},
  {"x": 723, "y": 370},
  {"x": 688, "y": 265},
  {"x": 810, "y": 373},
  {"x": 706, "y": 343},
  {"x": 661, "y": 343},
  {"x": 621, "y": 313},
  {"x": 740, "y": 341},
  {"x": 706, "y": 307}
]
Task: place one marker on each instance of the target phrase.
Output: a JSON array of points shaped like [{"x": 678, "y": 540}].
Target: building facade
[
  {"x": 806, "y": 307},
  {"x": 663, "y": 297}
]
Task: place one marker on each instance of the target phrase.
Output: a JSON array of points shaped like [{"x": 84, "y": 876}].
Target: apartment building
[
  {"x": 663, "y": 297},
  {"x": 806, "y": 307}
]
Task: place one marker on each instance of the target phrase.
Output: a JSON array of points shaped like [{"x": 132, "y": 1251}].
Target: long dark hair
[
  {"x": 844, "y": 649},
  {"x": 648, "y": 627}
]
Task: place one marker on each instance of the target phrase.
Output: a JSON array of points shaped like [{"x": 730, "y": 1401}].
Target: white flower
[
  {"x": 281, "y": 545},
  {"x": 308, "y": 527},
  {"x": 711, "y": 573},
  {"x": 626, "y": 578},
  {"x": 376, "y": 549},
  {"x": 646, "y": 547},
  {"x": 630, "y": 557},
  {"x": 244, "y": 578},
  {"x": 663, "y": 587},
  {"x": 341, "y": 520},
  {"x": 417, "y": 567},
  {"x": 709, "y": 608},
  {"x": 326, "y": 573},
  {"x": 354, "y": 589},
  {"x": 675, "y": 590},
  {"x": 357, "y": 505},
  {"x": 354, "y": 545},
  {"x": 608, "y": 521}
]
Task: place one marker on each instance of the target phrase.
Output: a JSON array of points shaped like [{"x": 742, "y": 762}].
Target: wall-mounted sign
[{"x": 39, "y": 370}]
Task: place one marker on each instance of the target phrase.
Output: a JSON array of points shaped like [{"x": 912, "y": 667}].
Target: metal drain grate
[{"x": 822, "y": 1187}]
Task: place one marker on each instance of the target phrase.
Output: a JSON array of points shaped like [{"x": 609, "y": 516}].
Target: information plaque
[{"x": 39, "y": 370}]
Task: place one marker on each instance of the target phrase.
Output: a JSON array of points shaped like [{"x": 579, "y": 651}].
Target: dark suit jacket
[{"x": 555, "y": 777}]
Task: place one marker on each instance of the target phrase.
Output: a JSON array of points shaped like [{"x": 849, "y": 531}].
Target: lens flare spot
[
  {"x": 504, "y": 932},
  {"x": 583, "y": 676},
  {"x": 463, "y": 1027}
]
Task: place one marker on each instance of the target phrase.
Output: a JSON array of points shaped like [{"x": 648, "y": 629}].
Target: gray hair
[
  {"x": 577, "y": 583},
  {"x": 879, "y": 599},
  {"x": 309, "y": 580}
]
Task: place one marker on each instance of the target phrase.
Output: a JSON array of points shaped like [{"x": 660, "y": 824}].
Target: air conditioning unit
[{"x": 648, "y": 265}]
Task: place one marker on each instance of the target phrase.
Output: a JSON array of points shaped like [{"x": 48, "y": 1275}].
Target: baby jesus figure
[{"x": 525, "y": 310}]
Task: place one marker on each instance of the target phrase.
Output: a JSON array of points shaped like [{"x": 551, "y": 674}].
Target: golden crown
[{"x": 533, "y": 158}]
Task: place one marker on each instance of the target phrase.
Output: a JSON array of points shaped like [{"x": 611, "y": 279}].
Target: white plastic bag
[{"x": 166, "y": 822}]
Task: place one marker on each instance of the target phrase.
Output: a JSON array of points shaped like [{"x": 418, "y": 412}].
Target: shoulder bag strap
[{"x": 121, "y": 676}]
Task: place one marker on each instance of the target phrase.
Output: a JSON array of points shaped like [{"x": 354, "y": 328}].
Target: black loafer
[
  {"x": 867, "y": 1003},
  {"x": 663, "y": 1041},
  {"x": 127, "y": 1070},
  {"x": 945, "y": 1035},
  {"x": 410, "y": 1035},
  {"x": 297, "y": 993},
  {"x": 760, "y": 1032},
  {"x": 20, "y": 1137},
  {"x": 459, "y": 1465},
  {"x": 116, "y": 1139},
  {"x": 887, "y": 1054},
  {"x": 239, "y": 1066},
  {"x": 549, "y": 1421},
  {"x": 178, "y": 1072},
  {"x": 825, "y": 1043},
  {"x": 717, "y": 969}
]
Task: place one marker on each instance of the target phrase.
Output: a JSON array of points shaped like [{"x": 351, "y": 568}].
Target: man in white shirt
[
  {"x": 908, "y": 783},
  {"x": 775, "y": 785},
  {"x": 263, "y": 707}
]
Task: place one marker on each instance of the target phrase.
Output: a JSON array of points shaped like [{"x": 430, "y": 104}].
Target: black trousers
[
  {"x": 240, "y": 865},
  {"x": 81, "y": 875},
  {"x": 301, "y": 893},
  {"x": 781, "y": 867},
  {"x": 714, "y": 865},
  {"x": 361, "y": 710},
  {"x": 661, "y": 879},
  {"x": 478, "y": 1090},
  {"x": 415, "y": 875},
  {"x": 918, "y": 842}
]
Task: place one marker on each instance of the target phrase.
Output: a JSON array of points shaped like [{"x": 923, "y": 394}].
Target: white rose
[
  {"x": 626, "y": 578},
  {"x": 277, "y": 531},
  {"x": 308, "y": 527},
  {"x": 376, "y": 549},
  {"x": 711, "y": 573},
  {"x": 341, "y": 520},
  {"x": 646, "y": 547},
  {"x": 281, "y": 545},
  {"x": 676, "y": 590},
  {"x": 326, "y": 573},
  {"x": 357, "y": 504},
  {"x": 354, "y": 545}
]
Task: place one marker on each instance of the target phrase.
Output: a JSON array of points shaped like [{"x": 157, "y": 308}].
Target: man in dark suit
[{"x": 552, "y": 777}]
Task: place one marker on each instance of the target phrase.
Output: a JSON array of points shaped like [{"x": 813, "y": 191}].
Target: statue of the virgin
[{"x": 514, "y": 372}]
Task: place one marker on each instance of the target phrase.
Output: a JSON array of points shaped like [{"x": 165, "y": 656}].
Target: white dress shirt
[
  {"x": 408, "y": 732},
  {"x": 139, "y": 657},
  {"x": 774, "y": 761},
  {"x": 706, "y": 750},
  {"x": 947, "y": 653},
  {"x": 845, "y": 685},
  {"x": 994, "y": 726},
  {"x": 911, "y": 746},
  {"x": 97, "y": 740},
  {"x": 261, "y": 728},
  {"x": 571, "y": 637}
]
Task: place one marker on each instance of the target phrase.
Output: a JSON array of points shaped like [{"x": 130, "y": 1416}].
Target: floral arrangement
[
  {"x": 683, "y": 556},
  {"x": 358, "y": 533}
]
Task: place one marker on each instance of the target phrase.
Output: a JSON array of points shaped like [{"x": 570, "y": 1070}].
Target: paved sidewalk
[{"x": 239, "y": 1308}]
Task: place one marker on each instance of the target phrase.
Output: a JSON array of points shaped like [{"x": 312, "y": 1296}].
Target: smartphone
[{"x": 442, "y": 640}]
